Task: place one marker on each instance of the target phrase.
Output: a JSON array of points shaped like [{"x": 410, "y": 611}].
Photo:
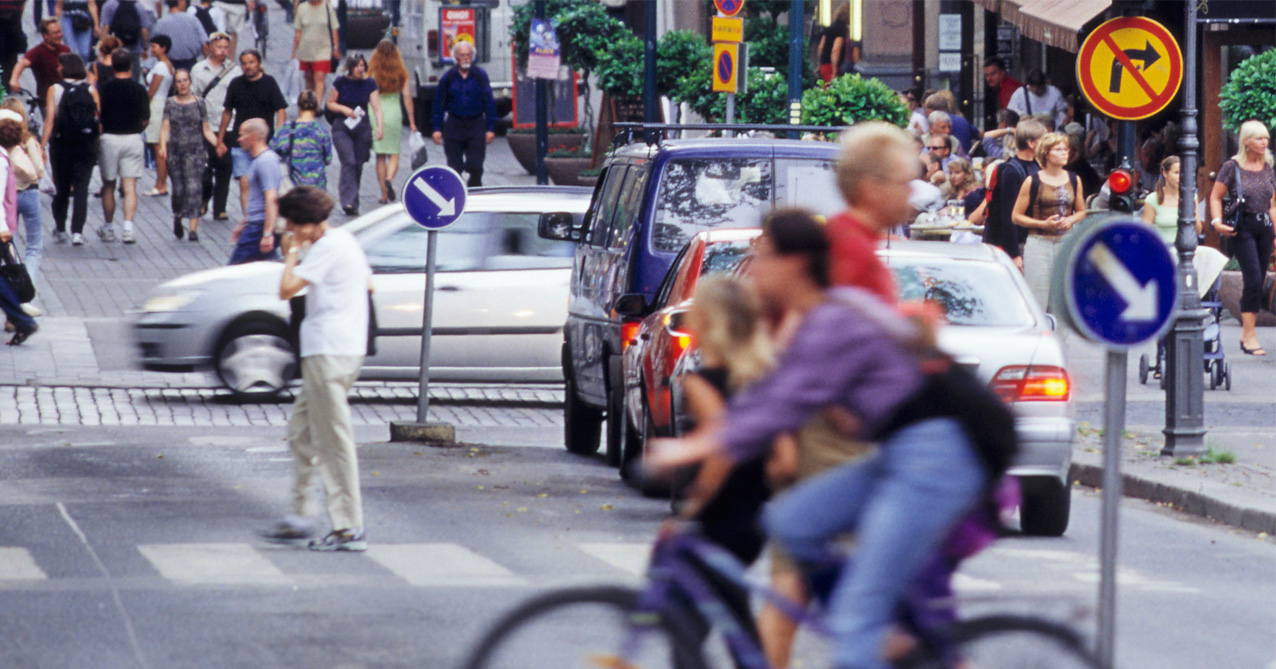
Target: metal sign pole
[
  {"x": 730, "y": 112},
  {"x": 427, "y": 320},
  {"x": 1113, "y": 426}
]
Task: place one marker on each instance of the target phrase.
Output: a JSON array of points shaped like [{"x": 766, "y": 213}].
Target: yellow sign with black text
[
  {"x": 726, "y": 67},
  {"x": 1130, "y": 68},
  {"x": 728, "y": 29}
]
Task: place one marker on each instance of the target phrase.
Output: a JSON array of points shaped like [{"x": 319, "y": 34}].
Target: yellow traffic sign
[
  {"x": 728, "y": 29},
  {"x": 1130, "y": 68},
  {"x": 726, "y": 67}
]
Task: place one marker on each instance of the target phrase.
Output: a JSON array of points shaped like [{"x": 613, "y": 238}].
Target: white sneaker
[
  {"x": 59, "y": 237},
  {"x": 32, "y": 310},
  {"x": 106, "y": 234},
  {"x": 127, "y": 237},
  {"x": 77, "y": 239}
]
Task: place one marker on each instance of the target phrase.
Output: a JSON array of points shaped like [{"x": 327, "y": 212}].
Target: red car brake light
[
  {"x": 629, "y": 332},
  {"x": 1031, "y": 383}
]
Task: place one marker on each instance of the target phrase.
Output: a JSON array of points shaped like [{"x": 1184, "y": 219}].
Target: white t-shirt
[
  {"x": 1050, "y": 103},
  {"x": 336, "y": 321}
]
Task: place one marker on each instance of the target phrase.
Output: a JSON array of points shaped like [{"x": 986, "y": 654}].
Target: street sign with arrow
[{"x": 434, "y": 196}]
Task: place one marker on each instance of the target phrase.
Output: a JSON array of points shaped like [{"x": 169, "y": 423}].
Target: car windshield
[
  {"x": 723, "y": 257},
  {"x": 969, "y": 292},
  {"x": 700, "y": 194}
]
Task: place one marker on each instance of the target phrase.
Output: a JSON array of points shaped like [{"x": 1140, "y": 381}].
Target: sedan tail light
[
  {"x": 629, "y": 332},
  {"x": 1031, "y": 383}
]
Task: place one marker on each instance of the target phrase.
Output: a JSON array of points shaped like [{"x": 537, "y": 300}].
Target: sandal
[
  {"x": 1256, "y": 351},
  {"x": 22, "y": 336}
]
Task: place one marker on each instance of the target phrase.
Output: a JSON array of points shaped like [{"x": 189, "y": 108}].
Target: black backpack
[
  {"x": 77, "y": 115},
  {"x": 126, "y": 24},
  {"x": 206, "y": 17}
]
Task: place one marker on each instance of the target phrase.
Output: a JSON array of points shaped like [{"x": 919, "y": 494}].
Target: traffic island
[{"x": 430, "y": 434}]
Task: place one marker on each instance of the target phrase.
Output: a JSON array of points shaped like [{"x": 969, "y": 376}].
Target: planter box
[
  {"x": 587, "y": 181},
  {"x": 1229, "y": 293},
  {"x": 566, "y": 171},
  {"x": 523, "y": 146}
]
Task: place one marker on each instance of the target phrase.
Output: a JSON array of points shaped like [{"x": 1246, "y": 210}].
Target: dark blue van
[{"x": 649, "y": 201}]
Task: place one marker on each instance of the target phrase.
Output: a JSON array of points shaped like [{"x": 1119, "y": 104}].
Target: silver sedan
[{"x": 500, "y": 301}]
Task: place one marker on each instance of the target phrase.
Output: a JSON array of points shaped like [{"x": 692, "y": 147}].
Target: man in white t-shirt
[
  {"x": 334, "y": 340},
  {"x": 1038, "y": 97}
]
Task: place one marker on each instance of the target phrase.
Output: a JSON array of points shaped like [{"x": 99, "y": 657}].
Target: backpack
[
  {"x": 206, "y": 18},
  {"x": 77, "y": 115},
  {"x": 126, "y": 24}
]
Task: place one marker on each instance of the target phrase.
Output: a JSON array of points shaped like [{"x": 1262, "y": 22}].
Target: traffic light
[{"x": 1121, "y": 191}]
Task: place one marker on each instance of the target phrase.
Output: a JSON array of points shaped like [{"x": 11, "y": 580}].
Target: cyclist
[{"x": 851, "y": 350}]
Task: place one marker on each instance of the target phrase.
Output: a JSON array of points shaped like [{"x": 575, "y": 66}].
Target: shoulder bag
[
  {"x": 15, "y": 272},
  {"x": 333, "y": 62},
  {"x": 1233, "y": 210}
]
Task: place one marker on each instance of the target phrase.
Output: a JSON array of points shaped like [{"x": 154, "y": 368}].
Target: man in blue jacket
[{"x": 465, "y": 95}]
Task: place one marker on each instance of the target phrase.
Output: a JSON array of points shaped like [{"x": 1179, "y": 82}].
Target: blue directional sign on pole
[
  {"x": 1120, "y": 282},
  {"x": 434, "y": 196}
]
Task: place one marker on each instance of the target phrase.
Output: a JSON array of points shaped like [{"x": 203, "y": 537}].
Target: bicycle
[
  {"x": 35, "y": 111},
  {"x": 261, "y": 27},
  {"x": 615, "y": 627}
]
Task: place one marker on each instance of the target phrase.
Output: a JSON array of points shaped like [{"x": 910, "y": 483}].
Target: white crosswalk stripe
[
  {"x": 209, "y": 563},
  {"x": 17, "y": 564},
  {"x": 442, "y": 565},
  {"x": 631, "y": 558}
]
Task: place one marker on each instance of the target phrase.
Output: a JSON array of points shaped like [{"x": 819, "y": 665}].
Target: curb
[{"x": 1188, "y": 501}]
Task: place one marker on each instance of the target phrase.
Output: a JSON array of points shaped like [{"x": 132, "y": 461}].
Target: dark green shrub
[
  {"x": 1250, "y": 93},
  {"x": 850, "y": 98}
]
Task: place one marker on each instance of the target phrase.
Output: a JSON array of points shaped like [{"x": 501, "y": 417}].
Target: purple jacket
[{"x": 840, "y": 355}]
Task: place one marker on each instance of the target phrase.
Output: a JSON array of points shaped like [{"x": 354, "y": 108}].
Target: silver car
[
  {"x": 998, "y": 331},
  {"x": 500, "y": 301}
]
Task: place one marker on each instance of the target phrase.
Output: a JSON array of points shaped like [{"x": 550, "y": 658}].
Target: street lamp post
[
  {"x": 1185, "y": 345},
  {"x": 796, "y": 58}
]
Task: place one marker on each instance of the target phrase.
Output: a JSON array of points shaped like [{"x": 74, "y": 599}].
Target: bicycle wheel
[
  {"x": 590, "y": 627},
  {"x": 262, "y": 29},
  {"x": 1009, "y": 641}
]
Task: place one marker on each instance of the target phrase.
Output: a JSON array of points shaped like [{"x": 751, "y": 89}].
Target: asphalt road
[{"x": 133, "y": 547}]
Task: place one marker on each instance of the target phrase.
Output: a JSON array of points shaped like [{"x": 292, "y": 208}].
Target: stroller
[{"x": 1209, "y": 267}]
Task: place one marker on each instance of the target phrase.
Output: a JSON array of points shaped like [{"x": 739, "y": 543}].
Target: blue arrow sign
[
  {"x": 434, "y": 196},
  {"x": 1121, "y": 284}
]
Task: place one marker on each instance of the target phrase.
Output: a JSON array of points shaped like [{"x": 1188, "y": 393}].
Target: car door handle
[{"x": 450, "y": 289}]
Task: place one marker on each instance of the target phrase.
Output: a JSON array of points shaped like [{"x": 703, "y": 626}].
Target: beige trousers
[{"x": 322, "y": 438}]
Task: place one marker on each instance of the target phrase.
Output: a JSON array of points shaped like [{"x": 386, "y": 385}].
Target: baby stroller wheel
[
  {"x": 1215, "y": 372},
  {"x": 1143, "y": 369},
  {"x": 1227, "y": 376}
]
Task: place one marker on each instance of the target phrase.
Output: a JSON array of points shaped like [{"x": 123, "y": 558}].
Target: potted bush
[
  {"x": 851, "y": 98},
  {"x": 522, "y": 143},
  {"x": 565, "y": 165},
  {"x": 1250, "y": 93}
]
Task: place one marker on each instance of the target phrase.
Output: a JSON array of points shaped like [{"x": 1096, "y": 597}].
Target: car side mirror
[
  {"x": 557, "y": 226},
  {"x": 631, "y": 304}
]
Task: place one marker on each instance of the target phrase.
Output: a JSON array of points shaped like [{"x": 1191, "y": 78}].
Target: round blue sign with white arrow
[
  {"x": 434, "y": 196},
  {"x": 1119, "y": 282}
]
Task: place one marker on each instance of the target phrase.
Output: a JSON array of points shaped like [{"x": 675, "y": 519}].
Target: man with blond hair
[{"x": 999, "y": 229}]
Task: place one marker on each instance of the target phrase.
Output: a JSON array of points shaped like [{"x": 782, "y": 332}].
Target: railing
[{"x": 656, "y": 132}]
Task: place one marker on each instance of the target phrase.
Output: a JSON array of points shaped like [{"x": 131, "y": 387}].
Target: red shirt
[
  {"x": 1007, "y": 88},
  {"x": 44, "y": 65},
  {"x": 853, "y": 258}
]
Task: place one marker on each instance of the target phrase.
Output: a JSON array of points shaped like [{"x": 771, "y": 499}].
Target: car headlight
[{"x": 164, "y": 303}]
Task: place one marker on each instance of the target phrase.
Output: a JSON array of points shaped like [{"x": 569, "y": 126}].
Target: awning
[{"x": 1053, "y": 22}]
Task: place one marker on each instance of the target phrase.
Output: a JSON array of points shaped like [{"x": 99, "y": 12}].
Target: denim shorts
[{"x": 243, "y": 161}]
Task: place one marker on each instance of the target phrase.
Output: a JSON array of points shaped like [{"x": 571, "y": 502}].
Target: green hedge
[{"x": 1250, "y": 93}]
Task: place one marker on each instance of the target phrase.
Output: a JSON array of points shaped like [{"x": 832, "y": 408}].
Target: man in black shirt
[
  {"x": 254, "y": 94},
  {"x": 999, "y": 229},
  {"x": 126, "y": 109},
  {"x": 465, "y": 97}
]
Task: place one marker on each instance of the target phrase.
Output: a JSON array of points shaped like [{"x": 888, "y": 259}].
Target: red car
[{"x": 654, "y": 345}]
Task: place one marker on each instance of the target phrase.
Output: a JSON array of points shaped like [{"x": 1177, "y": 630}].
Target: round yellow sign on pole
[{"x": 1130, "y": 68}]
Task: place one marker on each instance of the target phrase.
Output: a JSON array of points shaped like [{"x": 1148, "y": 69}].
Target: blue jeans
[
  {"x": 900, "y": 503},
  {"x": 13, "y": 310},
  {"x": 80, "y": 41},
  {"x": 248, "y": 248},
  {"x": 29, "y": 211}
]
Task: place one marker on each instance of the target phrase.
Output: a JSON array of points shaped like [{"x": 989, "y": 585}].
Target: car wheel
[
  {"x": 615, "y": 411},
  {"x": 1143, "y": 369},
  {"x": 581, "y": 422},
  {"x": 256, "y": 360},
  {"x": 631, "y": 444},
  {"x": 1046, "y": 506},
  {"x": 640, "y": 478}
]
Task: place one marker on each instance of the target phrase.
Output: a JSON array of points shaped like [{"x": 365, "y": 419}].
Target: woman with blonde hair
[
  {"x": 1249, "y": 181},
  {"x": 1050, "y": 202},
  {"x": 387, "y": 69}
]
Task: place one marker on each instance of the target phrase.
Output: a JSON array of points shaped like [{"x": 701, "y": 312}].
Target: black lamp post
[{"x": 1185, "y": 344}]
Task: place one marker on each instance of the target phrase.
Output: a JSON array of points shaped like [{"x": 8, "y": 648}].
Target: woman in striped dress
[{"x": 305, "y": 145}]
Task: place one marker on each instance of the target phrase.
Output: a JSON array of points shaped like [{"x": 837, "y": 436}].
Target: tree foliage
[
  {"x": 584, "y": 27},
  {"x": 1250, "y": 93},
  {"x": 620, "y": 67},
  {"x": 850, "y": 98}
]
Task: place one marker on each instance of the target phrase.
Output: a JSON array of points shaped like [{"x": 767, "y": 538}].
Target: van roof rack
[{"x": 654, "y": 133}]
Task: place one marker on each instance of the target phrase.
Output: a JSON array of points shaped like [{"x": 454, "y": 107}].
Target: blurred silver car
[
  {"x": 998, "y": 331},
  {"x": 500, "y": 301}
]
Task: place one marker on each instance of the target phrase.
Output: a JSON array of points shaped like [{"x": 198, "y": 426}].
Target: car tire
[
  {"x": 1045, "y": 508},
  {"x": 632, "y": 442},
  {"x": 581, "y": 422},
  {"x": 639, "y": 477},
  {"x": 255, "y": 360},
  {"x": 615, "y": 410}
]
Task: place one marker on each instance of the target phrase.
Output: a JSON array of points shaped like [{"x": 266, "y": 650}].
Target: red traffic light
[{"x": 1120, "y": 182}]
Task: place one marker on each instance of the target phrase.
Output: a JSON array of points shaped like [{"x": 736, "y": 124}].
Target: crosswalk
[{"x": 450, "y": 565}]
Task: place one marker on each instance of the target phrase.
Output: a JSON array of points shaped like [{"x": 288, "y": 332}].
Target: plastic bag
[
  {"x": 293, "y": 84},
  {"x": 416, "y": 148}
]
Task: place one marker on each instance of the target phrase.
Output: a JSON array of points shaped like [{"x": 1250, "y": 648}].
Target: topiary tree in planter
[
  {"x": 1250, "y": 93},
  {"x": 850, "y": 98},
  {"x": 620, "y": 67}
]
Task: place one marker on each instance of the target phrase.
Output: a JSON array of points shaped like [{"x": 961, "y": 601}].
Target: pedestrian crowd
[{"x": 127, "y": 88}]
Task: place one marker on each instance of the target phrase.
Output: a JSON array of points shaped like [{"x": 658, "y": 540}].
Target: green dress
[{"x": 392, "y": 114}]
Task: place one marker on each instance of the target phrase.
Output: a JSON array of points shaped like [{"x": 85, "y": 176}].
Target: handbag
[
  {"x": 1233, "y": 211},
  {"x": 334, "y": 63},
  {"x": 15, "y": 272}
]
